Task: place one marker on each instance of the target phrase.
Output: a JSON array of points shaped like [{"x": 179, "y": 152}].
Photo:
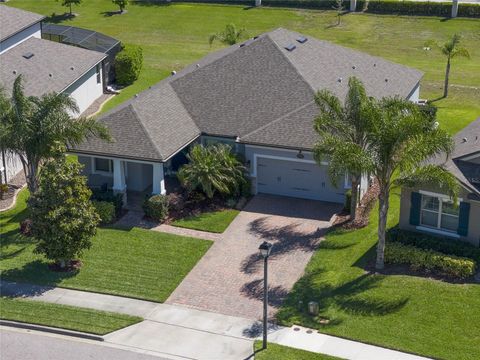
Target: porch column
[
  {"x": 353, "y": 5},
  {"x": 119, "y": 185},
  {"x": 454, "y": 8},
  {"x": 158, "y": 184}
]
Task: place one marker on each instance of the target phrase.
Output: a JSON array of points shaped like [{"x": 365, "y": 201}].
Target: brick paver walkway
[{"x": 228, "y": 279}]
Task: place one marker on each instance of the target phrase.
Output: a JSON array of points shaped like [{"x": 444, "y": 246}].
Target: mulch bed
[{"x": 363, "y": 211}]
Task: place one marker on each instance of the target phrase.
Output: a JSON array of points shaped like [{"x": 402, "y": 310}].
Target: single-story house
[
  {"x": 431, "y": 210},
  {"x": 46, "y": 66},
  {"x": 257, "y": 96}
]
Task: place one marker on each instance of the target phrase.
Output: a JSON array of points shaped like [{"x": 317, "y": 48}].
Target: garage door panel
[{"x": 296, "y": 179}]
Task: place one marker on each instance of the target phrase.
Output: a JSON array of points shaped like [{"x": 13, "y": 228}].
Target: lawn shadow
[
  {"x": 286, "y": 238},
  {"x": 58, "y": 18},
  {"x": 113, "y": 13}
]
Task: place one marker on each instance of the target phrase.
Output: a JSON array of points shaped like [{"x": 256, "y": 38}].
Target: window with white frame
[
  {"x": 439, "y": 213},
  {"x": 103, "y": 165}
]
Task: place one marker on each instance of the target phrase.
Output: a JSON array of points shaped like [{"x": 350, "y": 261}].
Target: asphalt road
[{"x": 28, "y": 345}]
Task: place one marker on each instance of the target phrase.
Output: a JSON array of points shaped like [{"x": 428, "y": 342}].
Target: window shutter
[
  {"x": 463, "y": 218},
  {"x": 415, "y": 204}
]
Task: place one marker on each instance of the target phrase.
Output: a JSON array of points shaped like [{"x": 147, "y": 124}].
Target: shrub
[
  {"x": 231, "y": 202},
  {"x": 246, "y": 188},
  {"x": 156, "y": 207},
  {"x": 109, "y": 196},
  {"x": 436, "y": 243},
  {"x": 63, "y": 217},
  {"x": 26, "y": 227},
  {"x": 429, "y": 261},
  {"x": 348, "y": 200},
  {"x": 128, "y": 64},
  {"x": 106, "y": 211}
]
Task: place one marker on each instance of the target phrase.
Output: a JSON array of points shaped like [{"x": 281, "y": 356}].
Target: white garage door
[{"x": 296, "y": 179}]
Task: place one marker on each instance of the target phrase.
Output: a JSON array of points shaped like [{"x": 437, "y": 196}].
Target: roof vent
[
  {"x": 464, "y": 140},
  {"x": 290, "y": 47},
  {"x": 386, "y": 80},
  {"x": 28, "y": 55},
  {"x": 173, "y": 72},
  {"x": 72, "y": 68},
  {"x": 14, "y": 72},
  {"x": 198, "y": 65},
  {"x": 242, "y": 44},
  {"x": 374, "y": 64},
  {"x": 51, "y": 75},
  {"x": 136, "y": 95},
  {"x": 340, "y": 80},
  {"x": 302, "y": 39},
  {"x": 354, "y": 67},
  {"x": 255, "y": 37}
]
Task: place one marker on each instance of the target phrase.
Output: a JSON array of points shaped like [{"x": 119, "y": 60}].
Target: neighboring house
[
  {"x": 46, "y": 66},
  {"x": 430, "y": 210},
  {"x": 17, "y": 26},
  {"x": 258, "y": 97}
]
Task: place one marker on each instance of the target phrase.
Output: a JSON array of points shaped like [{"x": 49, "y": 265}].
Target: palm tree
[
  {"x": 36, "y": 128},
  {"x": 230, "y": 36},
  {"x": 400, "y": 139},
  {"x": 451, "y": 49},
  {"x": 342, "y": 136},
  {"x": 211, "y": 169}
]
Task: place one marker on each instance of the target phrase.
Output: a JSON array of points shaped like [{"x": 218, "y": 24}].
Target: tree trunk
[
  {"x": 447, "y": 76},
  {"x": 354, "y": 201},
  {"x": 382, "y": 225},
  {"x": 30, "y": 171},
  {"x": 70, "y": 9}
]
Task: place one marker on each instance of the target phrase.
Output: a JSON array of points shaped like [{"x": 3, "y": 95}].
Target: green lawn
[
  {"x": 408, "y": 313},
  {"x": 279, "y": 352},
  {"x": 176, "y": 35},
  {"x": 215, "y": 222},
  {"x": 131, "y": 262},
  {"x": 62, "y": 316}
]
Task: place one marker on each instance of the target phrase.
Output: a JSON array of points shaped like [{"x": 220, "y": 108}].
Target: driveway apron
[{"x": 229, "y": 278}]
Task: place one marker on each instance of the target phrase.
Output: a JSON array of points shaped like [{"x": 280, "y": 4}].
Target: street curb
[{"x": 52, "y": 330}]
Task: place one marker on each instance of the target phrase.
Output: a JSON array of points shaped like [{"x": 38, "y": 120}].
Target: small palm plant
[
  {"x": 212, "y": 169},
  {"x": 230, "y": 36},
  {"x": 451, "y": 49}
]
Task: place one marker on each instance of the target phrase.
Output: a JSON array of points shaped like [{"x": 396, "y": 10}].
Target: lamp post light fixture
[{"x": 265, "y": 249}]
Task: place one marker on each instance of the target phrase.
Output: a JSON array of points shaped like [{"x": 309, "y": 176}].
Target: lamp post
[{"x": 265, "y": 249}]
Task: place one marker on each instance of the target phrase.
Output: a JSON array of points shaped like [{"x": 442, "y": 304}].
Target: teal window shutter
[
  {"x": 463, "y": 217},
  {"x": 415, "y": 204}
]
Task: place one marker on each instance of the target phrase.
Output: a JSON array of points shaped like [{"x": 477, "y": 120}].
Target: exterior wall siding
[
  {"x": 415, "y": 96},
  {"x": 86, "y": 89},
  {"x": 473, "y": 236},
  {"x": 32, "y": 31}
]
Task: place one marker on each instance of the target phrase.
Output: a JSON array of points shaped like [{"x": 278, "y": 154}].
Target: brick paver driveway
[{"x": 228, "y": 279}]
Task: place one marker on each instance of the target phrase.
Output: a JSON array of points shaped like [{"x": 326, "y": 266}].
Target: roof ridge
[
  {"x": 145, "y": 130},
  {"x": 279, "y": 119}
]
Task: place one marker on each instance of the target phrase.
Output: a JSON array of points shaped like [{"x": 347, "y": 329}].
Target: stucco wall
[
  {"x": 474, "y": 219},
  {"x": 13, "y": 165},
  {"x": 86, "y": 89},
  {"x": 32, "y": 31}
]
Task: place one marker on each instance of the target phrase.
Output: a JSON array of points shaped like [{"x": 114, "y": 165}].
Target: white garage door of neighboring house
[{"x": 296, "y": 179}]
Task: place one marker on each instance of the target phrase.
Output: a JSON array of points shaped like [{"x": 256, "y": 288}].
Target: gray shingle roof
[
  {"x": 14, "y": 20},
  {"x": 49, "y": 58},
  {"x": 467, "y": 142},
  {"x": 152, "y": 126},
  {"x": 259, "y": 92}
]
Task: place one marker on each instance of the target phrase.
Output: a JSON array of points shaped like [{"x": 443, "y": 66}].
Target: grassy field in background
[
  {"x": 63, "y": 316},
  {"x": 175, "y": 35}
]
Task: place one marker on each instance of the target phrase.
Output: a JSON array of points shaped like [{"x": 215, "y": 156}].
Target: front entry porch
[{"x": 124, "y": 176}]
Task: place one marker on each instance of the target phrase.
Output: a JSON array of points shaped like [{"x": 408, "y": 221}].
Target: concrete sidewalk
[{"x": 181, "y": 332}]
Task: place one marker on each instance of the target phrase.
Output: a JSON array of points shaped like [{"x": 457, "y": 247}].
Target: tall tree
[
  {"x": 230, "y": 36},
  {"x": 451, "y": 49},
  {"x": 400, "y": 139},
  {"x": 69, "y": 3},
  {"x": 34, "y": 128},
  {"x": 122, "y": 4},
  {"x": 63, "y": 218},
  {"x": 342, "y": 136}
]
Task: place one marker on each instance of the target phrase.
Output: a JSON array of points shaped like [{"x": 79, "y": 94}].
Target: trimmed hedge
[
  {"x": 156, "y": 207},
  {"x": 109, "y": 196},
  {"x": 106, "y": 211},
  {"x": 429, "y": 261},
  {"x": 436, "y": 243},
  {"x": 427, "y": 8},
  {"x": 128, "y": 63}
]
